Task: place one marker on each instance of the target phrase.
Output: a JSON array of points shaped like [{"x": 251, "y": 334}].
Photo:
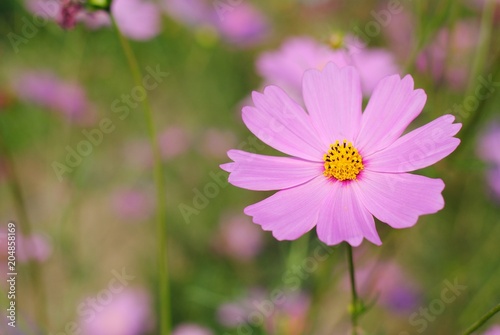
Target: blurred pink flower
[
  {"x": 286, "y": 66},
  {"x": 346, "y": 166},
  {"x": 33, "y": 248},
  {"x": 232, "y": 314},
  {"x": 394, "y": 288},
  {"x": 373, "y": 65},
  {"x": 447, "y": 58},
  {"x": 238, "y": 237},
  {"x": 46, "y": 90},
  {"x": 290, "y": 317},
  {"x": 489, "y": 144},
  {"x": 400, "y": 34},
  {"x": 215, "y": 143},
  {"x": 68, "y": 13},
  {"x": 94, "y": 20},
  {"x": 132, "y": 205},
  {"x": 286, "y": 315},
  {"x": 191, "y": 329},
  {"x": 174, "y": 141},
  {"x": 49, "y": 9},
  {"x": 189, "y": 12},
  {"x": 242, "y": 25},
  {"x": 495, "y": 330},
  {"x": 137, "y": 19},
  {"x": 489, "y": 150},
  {"x": 128, "y": 313}
]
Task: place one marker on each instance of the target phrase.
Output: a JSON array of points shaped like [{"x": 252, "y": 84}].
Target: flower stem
[
  {"x": 35, "y": 271},
  {"x": 297, "y": 253},
  {"x": 479, "y": 64},
  {"x": 355, "y": 303},
  {"x": 483, "y": 320},
  {"x": 484, "y": 44},
  {"x": 163, "y": 282}
]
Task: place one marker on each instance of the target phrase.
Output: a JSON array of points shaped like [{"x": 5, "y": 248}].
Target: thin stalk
[
  {"x": 483, "y": 320},
  {"x": 161, "y": 215},
  {"x": 298, "y": 252},
  {"x": 484, "y": 44},
  {"x": 355, "y": 303},
  {"x": 34, "y": 268},
  {"x": 480, "y": 58}
]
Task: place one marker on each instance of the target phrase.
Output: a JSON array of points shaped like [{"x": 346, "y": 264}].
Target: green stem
[
  {"x": 298, "y": 252},
  {"x": 480, "y": 58},
  {"x": 484, "y": 44},
  {"x": 355, "y": 303},
  {"x": 164, "y": 286},
  {"x": 35, "y": 270},
  {"x": 478, "y": 68},
  {"x": 483, "y": 320}
]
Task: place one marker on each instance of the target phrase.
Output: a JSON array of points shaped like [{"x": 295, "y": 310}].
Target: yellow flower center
[
  {"x": 343, "y": 161},
  {"x": 336, "y": 40}
]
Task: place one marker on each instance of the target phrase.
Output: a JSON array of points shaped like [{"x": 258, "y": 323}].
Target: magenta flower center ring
[{"x": 342, "y": 161}]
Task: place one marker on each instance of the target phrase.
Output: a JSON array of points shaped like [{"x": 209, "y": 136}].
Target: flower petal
[
  {"x": 420, "y": 148},
  {"x": 266, "y": 173},
  {"x": 399, "y": 199},
  {"x": 291, "y": 213},
  {"x": 281, "y": 123},
  {"x": 392, "y": 106},
  {"x": 344, "y": 218},
  {"x": 333, "y": 99},
  {"x": 373, "y": 66}
]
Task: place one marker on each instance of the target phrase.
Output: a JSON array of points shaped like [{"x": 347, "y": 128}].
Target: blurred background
[{"x": 76, "y": 166}]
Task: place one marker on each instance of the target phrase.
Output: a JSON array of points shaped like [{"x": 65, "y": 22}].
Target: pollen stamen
[{"x": 343, "y": 161}]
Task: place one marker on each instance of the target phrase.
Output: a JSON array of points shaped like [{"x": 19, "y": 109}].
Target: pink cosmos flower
[
  {"x": 285, "y": 67},
  {"x": 137, "y": 19},
  {"x": 132, "y": 205},
  {"x": 346, "y": 166},
  {"x": 174, "y": 141},
  {"x": 46, "y": 90},
  {"x": 291, "y": 316},
  {"x": 128, "y": 313},
  {"x": 243, "y": 25},
  {"x": 36, "y": 247},
  {"x": 189, "y": 12},
  {"x": 68, "y": 13},
  {"x": 191, "y": 329},
  {"x": 234, "y": 313},
  {"x": 238, "y": 23},
  {"x": 49, "y": 9},
  {"x": 238, "y": 238},
  {"x": 94, "y": 20}
]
